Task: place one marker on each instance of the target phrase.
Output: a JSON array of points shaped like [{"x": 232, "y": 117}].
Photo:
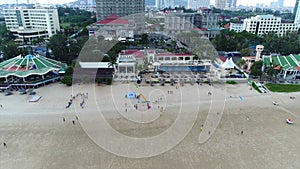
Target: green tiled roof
[
  {"x": 291, "y": 61},
  {"x": 29, "y": 65},
  {"x": 297, "y": 57},
  {"x": 275, "y": 60},
  {"x": 267, "y": 61},
  {"x": 286, "y": 62}
]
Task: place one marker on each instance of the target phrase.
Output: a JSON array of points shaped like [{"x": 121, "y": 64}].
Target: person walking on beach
[
  {"x": 73, "y": 122},
  {"x": 242, "y": 132},
  {"x": 4, "y": 144},
  {"x": 64, "y": 119}
]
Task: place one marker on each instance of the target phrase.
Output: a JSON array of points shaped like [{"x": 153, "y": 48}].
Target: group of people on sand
[
  {"x": 73, "y": 121},
  {"x": 170, "y": 91},
  {"x": 83, "y": 97}
]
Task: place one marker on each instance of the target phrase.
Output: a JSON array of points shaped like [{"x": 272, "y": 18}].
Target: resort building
[
  {"x": 179, "y": 22},
  {"x": 204, "y": 20},
  {"x": 264, "y": 24},
  {"x": 29, "y": 24},
  {"x": 130, "y": 9},
  {"x": 122, "y": 8},
  {"x": 289, "y": 65},
  {"x": 29, "y": 71},
  {"x": 127, "y": 62},
  {"x": 111, "y": 27},
  {"x": 237, "y": 27},
  {"x": 172, "y": 62}
]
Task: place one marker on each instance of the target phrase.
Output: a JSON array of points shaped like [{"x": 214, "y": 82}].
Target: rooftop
[
  {"x": 29, "y": 65},
  {"x": 135, "y": 53},
  {"x": 112, "y": 20}
]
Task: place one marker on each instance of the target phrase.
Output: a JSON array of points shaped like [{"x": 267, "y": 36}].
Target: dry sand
[{"x": 37, "y": 137}]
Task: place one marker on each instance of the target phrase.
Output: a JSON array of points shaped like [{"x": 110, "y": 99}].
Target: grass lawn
[{"x": 283, "y": 87}]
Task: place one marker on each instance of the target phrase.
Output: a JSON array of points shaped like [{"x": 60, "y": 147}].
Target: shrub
[
  {"x": 69, "y": 71},
  {"x": 231, "y": 82},
  {"x": 108, "y": 81},
  {"x": 255, "y": 87},
  {"x": 67, "y": 80}
]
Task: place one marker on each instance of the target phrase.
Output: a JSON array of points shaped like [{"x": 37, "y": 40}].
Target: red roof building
[
  {"x": 135, "y": 53},
  {"x": 113, "y": 20}
]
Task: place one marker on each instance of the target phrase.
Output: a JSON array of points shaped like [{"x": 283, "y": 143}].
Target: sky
[{"x": 289, "y": 3}]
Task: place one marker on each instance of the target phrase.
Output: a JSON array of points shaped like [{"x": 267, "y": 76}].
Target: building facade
[
  {"x": 122, "y": 8},
  {"x": 206, "y": 22},
  {"x": 264, "y": 24},
  {"x": 297, "y": 13},
  {"x": 29, "y": 24},
  {"x": 237, "y": 27},
  {"x": 220, "y": 4},
  {"x": 112, "y": 27},
  {"x": 161, "y": 4},
  {"x": 196, "y": 4},
  {"x": 231, "y": 4},
  {"x": 206, "y": 18},
  {"x": 179, "y": 22}
]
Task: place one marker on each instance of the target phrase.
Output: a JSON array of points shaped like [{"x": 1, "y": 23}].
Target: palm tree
[{"x": 112, "y": 62}]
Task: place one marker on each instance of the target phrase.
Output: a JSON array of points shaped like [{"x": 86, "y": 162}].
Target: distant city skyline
[{"x": 289, "y": 3}]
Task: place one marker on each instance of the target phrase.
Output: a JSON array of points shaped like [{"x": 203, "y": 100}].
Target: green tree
[
  {"x": 272, "y": 73},
  {"x": 256, "y": 68},
  {"x": 69, "y": 71},
  {"x": 67, "y": 80},
  {"x": 59, "y": 46},
  {"x": 245, "y": 52},
  {"x": 10, "y": 50}
]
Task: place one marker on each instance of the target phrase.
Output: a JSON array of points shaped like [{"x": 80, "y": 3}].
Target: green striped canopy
[
  {"x": 29, "y": 65},
  {"x": 286, "y": 62}
]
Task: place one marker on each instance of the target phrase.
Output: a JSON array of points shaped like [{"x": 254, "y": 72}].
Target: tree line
[{"x": 273, "y": 43}]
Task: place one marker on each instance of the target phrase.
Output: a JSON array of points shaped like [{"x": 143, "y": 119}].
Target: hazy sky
[{"x": 242, "y": 2}]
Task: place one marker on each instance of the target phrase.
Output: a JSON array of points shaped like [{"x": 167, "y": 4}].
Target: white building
[
  {"x": 264, "y": 24},
  {"x": 30, "y": 24},
  {"x": 196, "y": 4},
  {"x": 297, "y": 16},
  {"x": 237, "y": 27},
  {"x": 127, "y": 63}
]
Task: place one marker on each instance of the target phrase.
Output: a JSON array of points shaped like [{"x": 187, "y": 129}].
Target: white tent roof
[{"x": 228, "y": 64}]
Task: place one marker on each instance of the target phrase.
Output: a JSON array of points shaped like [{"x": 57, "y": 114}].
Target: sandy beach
[{"x": 241, "y": 128}]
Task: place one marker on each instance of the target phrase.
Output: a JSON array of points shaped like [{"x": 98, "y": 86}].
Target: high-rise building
[
  {"x": 297, "y": 15},
  {"x": 161, "y": 4},
  {"x": 122, "y": 8},
  {"x": 231, "y": 3},
  {"x": 91, "y": 3},
  {"x": 296, "y": 7},
  {"x": 196, "y": 4},
  {"x": 27, "y": 24},
  {"x": 221, "y": 4},
  {"x": 280, "y": 3}
]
